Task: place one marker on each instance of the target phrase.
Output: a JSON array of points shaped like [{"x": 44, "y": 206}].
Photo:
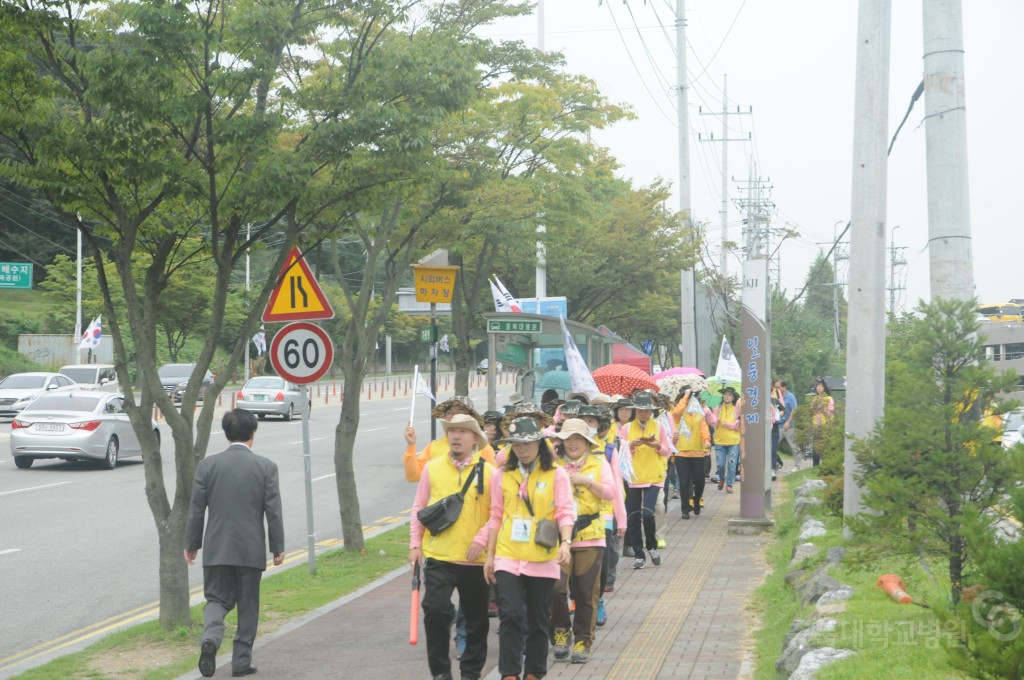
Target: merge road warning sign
[{"x": 297, "y": 296}]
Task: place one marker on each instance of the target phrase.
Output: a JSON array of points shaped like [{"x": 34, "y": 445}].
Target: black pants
[
  {"x": 439, "y": 580},
  {"x": 776, "y": 458},
  {"x": 691, "y": 481},
  {"x": 640, "y": 527},
  {"x": 524, "y": 614},
  {"x": 225, "y": 586},
  {"x": 611, "y": 559}
]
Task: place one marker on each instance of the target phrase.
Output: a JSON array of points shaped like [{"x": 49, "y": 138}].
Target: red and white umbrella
[{"x": 623, "y": 379}]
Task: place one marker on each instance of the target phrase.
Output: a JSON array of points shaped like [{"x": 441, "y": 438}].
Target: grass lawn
[
  {"x": 24, "y": 304},
  {"x": 148, "y": 652},
  {"x": 891, "y": 640}
]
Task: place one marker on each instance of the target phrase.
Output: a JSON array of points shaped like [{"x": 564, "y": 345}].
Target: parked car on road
[
  {"x": 93, "y": 376},
  {"x": 18, "y": 390},
  {"x": 75, "y": 425},
  {"x": 481, "y": 368},
  {"x": 175, "y": 377},
  {"x": 270, "y": 395}
]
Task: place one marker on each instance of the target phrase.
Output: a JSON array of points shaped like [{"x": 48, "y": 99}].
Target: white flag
[
  {"x": 443, "y": 346},
  {"x": 92, "y": 336},
  {"x": 512, "y": 303},
  {"x": 260, "y": 340},
  {"x": 579, "y": 374},
  {"x": 421, "y": 387},
  {"x": 728, "y": 366},
  {"x": 500, "y": 304}
]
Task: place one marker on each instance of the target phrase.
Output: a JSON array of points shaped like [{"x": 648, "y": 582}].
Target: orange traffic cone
[{"x": 894, "y": 586}]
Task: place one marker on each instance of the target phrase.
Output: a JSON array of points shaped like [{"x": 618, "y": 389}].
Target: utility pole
[
  {"x": 541, "y": 275},
  {"x": 687, "y": 284},
  {"x": 838, "y": 255},
  {"x": 758, "y": 208},
  {"x": 949, "y": 209},
  {"x": 896, "y": 259},
  {"x": 723, "y": 267},
  {"x": 865, "y": 335}
]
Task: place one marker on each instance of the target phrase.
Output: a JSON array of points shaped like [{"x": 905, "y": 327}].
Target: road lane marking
[
  {"x": 317, "y": 479},
  {"x": 313, "y": 439},
  {"x": 9, "y": 551},
  {"x": 32, "y": 488}
]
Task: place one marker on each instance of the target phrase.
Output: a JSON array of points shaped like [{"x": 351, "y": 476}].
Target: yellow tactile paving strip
[{"x": 645, "y": 654}]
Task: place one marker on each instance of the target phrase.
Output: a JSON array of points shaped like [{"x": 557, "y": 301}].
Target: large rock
[
  {"x": 804, "y": 504},
  {"x": 817, "y": 585},
  {"x": 800, "y": 644},
  {"x": 801, "y": 552},
  {"x": 839, "y": 594},
  {"x": 834, "y": 556},
  {"x": 810, "y": 486},
  {"x": 811, "y": 528},
  {"x": 815, "y": 659},
  {"x": 794, "y": 576}
]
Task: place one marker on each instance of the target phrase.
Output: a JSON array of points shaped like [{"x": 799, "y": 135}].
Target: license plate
[
  {"x": 50, "y": 427},
  {"x": 259, "y": 397}
]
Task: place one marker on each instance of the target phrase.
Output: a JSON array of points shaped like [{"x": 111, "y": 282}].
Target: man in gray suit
[{"x": 239, "y": 488}]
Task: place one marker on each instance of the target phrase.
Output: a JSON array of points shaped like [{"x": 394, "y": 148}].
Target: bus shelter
[{"x": 533, "y": 345}]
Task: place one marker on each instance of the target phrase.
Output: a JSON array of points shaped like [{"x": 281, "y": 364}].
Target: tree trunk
[
  {"x": 174, "y": 592},
  {"x": 344, "y": 444}
]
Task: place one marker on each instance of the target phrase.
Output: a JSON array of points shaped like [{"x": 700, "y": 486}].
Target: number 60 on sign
[{"x": 301, "y": 352}]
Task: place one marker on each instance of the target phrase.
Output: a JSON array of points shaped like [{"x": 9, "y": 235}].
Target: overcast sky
[{"x": 793, "y": 61}]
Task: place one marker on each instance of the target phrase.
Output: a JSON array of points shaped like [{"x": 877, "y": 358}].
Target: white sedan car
[
  {"x": 269, "y": 394},
  {"x": 79, "y": 425},
  {"x": 19, "y": 390}
]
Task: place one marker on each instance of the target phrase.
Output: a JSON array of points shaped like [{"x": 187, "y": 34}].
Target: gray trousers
[{"x": 224, "y": 587}]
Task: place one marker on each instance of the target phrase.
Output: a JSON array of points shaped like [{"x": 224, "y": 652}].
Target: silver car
[
  {"x": 78, "y": 425},
  {"x": 19, "y": 390},
  {"x": 272, "y": 395}
]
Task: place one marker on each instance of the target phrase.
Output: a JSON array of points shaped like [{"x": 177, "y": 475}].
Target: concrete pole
[
  {"x": 77, "y": 342},
  {"x": 687, "y": 299},
  {"x": 723, "y": 266},
  {"x": 865, "y": 338},
  {"x": 541, "y": 274},
  {"x": 949, "y": 209}
]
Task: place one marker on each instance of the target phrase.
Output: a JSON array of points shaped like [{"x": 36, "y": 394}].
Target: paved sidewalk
[{"x": 687, "y": 618}]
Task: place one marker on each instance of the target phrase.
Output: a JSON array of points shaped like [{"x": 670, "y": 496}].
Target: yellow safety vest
[
  {"x": 586, "y": 502},
  {"x": 452, "y": 544},
  {"x": 724, "y": 435},
  {"x": 541, "y": 489},
  {"x": 649, "y": 465}
]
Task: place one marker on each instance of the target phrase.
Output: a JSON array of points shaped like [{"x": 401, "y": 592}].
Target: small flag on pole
[
  {"x": 260, "y": 340},
  {"x": 443, "y": 346},
  {"x": 510, "y": 302},
  {"x": 422, "y": 388},
  {"x": 92, "y": 336}
]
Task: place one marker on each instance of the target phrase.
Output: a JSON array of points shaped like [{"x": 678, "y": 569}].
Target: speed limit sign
[{"x": 301, "y": 352}]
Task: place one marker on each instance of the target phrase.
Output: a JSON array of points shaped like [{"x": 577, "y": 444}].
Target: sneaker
[
  {"x": 728, "y": 489},
  {"x": 686, "y": 514},
  {"x": 563, "y": 639},
  {"x": 656, "y": 557},
  {"x": 627, "y": 551},
  {"x": 610, "y": 588},
  {"x": 739, "y": 478},
  {"x": 581, "y": 652},
  {"x": 696, "y": 508},
  {"x": 443, "y": 676},
  {"x": 492, "y": 609},
  {"x": 674, "y": 494},
  {"x": 639, "y": 563},
  {"x": 701, "y": 502},
  {"x": 661, "y": 543},
  {"x": 774, "y": 477},
  {"x": 721, "y": 484},
  {"x": 572, "y": 606},
  {"x": 602, "y": 615},
  {"x": 208, "y": 659},
  {"x": 460, "y": 646}
]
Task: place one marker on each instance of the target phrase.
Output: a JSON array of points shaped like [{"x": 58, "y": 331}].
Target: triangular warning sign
[{"x": 298, "y": 296}]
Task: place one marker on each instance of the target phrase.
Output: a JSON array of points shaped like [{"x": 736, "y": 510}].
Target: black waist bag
[
  {"x": 584, "y": 521},
  {"x": 438, "y": 516}
]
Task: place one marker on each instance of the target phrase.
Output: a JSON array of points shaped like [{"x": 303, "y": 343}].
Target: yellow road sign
[
  {"x": 297, "y": 297},
  {"x": 434, "y": 284}
]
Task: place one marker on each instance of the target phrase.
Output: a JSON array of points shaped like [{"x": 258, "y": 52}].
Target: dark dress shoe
[
  {"x": 208, "y": 659},
  {"x": 251, "y": 670}
]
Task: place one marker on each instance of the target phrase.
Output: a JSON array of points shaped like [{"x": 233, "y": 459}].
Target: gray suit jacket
[{"x": 239, "y": 488}]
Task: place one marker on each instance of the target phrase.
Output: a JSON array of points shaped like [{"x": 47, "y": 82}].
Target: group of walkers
[{"x": 522, "y": 511}]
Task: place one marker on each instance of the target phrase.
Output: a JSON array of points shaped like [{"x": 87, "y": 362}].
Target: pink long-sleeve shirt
[
  {"x": 563, "y": 518},
  {"x": 605, "y": 491},
  {"x": 618, "y": 501},
  {"x": 416, "y": 528}
]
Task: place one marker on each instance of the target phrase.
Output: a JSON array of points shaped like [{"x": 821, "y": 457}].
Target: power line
[{"x": 637, "y": 68}]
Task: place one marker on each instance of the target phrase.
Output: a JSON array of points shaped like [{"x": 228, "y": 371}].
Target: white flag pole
[{"x": 415, "y": 389}]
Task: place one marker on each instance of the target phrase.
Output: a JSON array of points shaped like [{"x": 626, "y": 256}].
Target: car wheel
[
  {"x": 261, "y": 416},
  {"x": 291, "y": 410},
  {"x": 110, "y": 462},
  {"x": 23, "y": 463}
]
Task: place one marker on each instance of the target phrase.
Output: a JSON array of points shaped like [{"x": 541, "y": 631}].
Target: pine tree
[{"x": 931, "y": 459}]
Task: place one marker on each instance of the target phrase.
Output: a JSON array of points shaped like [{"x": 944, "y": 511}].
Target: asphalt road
[{"x": 78, "y": 548}]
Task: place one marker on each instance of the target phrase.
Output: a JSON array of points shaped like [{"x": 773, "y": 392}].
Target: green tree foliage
[{"x": 931, "y": 462}]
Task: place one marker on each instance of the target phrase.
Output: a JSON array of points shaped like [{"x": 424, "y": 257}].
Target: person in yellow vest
[
  {"x": 518, "y": 410},
  {"x": 727, "y": 438},
  {"x": 649, "y": 448},
  {"x": 693, "y": 442},
  {"x": 593, "y": 488},
  {"x": 527, "y": 489},
  {"x": 453, "y": 559},
  {"x": 415, "y": 462}
]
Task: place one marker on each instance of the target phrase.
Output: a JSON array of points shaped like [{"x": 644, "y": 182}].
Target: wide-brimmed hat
[
  {"x": 493, "y": 417},
  {"x": 602, "y": 400},
  {"x": 571, "y": 407},
  {"x": 466, "y": 422},
  {"x": 731, "y": 390},
  {"x": 593, "y": 411},
  {"x": 578, "y": 396},
  {"x": 526, "y": 408},
  {"x": 575, "y": 426},
  {"x": 622, "y": 402},
  {"x": 644, "y": 402},
  {"x": 458, "y": 400},
  {"x": 523, "y": 429}
]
